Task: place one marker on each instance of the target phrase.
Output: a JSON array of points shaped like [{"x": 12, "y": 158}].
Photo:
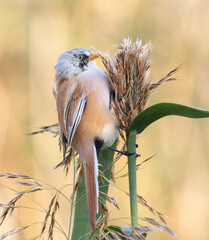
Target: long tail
[{"x": 90, "y": 162}]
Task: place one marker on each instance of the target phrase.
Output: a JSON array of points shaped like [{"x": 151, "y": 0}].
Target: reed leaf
[
  {"x": 82, "y": 226},
  {"x": 160, "y": 110}
]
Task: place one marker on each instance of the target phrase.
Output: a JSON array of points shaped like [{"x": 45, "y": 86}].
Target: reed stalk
[{"x": 132, "y": 178}]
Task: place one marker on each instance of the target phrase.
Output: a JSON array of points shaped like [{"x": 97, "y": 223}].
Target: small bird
[{"x": 87, "y": 120}]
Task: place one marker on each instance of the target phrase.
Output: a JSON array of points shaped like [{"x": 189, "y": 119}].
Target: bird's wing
[
  {"x": 72, "y": 115},
  {"x": 73, "y": 112}
]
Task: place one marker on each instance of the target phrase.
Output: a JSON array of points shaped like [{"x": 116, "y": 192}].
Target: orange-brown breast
[{"x": 96, "y": 114}]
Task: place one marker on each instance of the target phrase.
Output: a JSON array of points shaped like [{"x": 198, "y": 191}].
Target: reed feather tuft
[{"x": 128, "y": 73}]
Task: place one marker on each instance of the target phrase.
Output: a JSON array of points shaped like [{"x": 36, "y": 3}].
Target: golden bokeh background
[{"x": 34, "y": 33}]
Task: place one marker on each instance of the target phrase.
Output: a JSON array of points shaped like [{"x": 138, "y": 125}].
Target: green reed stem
[
  {"x": 132, "y": 178},
  {"x": 73, "y": 194}
]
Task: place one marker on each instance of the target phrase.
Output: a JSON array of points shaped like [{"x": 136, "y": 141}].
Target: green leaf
[
  {"x": 120, "y": 230},
  {"x": 155, "y": 112},
  {"x": 106, "y": 158},
  {"x": 82, "y": 225}
]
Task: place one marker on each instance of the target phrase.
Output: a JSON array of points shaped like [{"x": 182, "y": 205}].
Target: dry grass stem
[
  {"x": 102, "y": 177},
  {"x": 24, "y": 184},
  {"x": 137, "y": 167},
  {"x": 66, "y": 161},
  {"x": 9, "y": 208},
  {"x": 48, "y": 212},
  {"x": 145, "y": 203},
  {"x": 11, "y": 233},
  {"x": 143, "y": 229},
  {"x": 52, "y": 128},
  {"x": 78, "y": 179},
  {"x": 52, "y": 223},
  {"x": 102, "y": 220},
  {"x": 113, "y": 201},
  {"x": 118, "y": 156},
  {"x": 112, "y": 175},
  {"x": 21, "y": 176},
  {"x": 161, "y": 226},
  {"x": 146, "y": 160}
]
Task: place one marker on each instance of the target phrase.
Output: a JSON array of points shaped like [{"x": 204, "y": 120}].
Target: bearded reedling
[{"x": 87, "y": 120}]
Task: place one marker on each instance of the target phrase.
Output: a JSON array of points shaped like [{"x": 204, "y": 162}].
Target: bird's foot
[{"x": 126, "y": 153}]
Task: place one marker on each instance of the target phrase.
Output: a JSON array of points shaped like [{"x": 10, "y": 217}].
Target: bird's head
[{"x": 75, "y": 61}]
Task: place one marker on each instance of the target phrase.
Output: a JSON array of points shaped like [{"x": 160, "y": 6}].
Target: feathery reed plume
[{"x": 128, "y": 72}]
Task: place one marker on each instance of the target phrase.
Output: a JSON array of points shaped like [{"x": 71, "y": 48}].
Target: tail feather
[
  {"x": 96, "y": 174},
  {"x": 90, "y": 163}
]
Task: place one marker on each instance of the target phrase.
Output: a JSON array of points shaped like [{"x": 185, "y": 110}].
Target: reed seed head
[{"x": 128, "y": 73}]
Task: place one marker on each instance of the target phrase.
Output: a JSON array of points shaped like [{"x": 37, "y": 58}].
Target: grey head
[{"x": 74, "y": 61}]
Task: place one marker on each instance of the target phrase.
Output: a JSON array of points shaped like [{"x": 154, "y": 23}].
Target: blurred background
[{"x": 34, "y": 33}]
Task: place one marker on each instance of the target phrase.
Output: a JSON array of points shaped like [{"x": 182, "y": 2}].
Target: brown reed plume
[{"x": 128, "y": 72}]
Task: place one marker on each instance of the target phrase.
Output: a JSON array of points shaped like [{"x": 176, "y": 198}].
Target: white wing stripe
[{"x": 77, "y": 119}]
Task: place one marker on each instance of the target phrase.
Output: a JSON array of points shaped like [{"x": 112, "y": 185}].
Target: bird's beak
[{"x": 93, "y": 56}]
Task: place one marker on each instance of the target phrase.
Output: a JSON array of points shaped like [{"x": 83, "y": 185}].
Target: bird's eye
[{"x": 80, "y": 57}]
